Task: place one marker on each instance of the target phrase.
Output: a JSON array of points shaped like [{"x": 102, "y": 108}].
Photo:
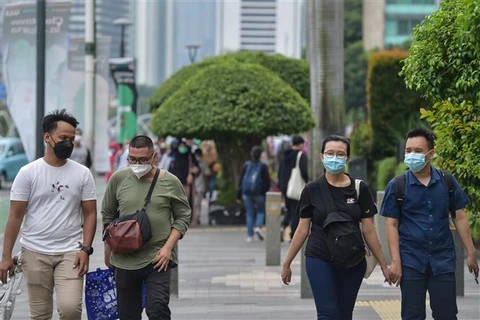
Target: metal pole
[
  {"x": 273, "y": 228},
  {"x": 41, "y": 16},
  {"x": 122, "y": 41},
  {"x": 90, "y": 73}
]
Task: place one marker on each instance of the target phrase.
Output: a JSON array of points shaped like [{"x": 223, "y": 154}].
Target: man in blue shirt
[{"x": 421, "y": 245}]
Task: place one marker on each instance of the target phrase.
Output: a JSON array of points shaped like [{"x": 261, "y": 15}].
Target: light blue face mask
[
  {"x": 415, "y": 161},
  {"x": 334, "y": 164}
]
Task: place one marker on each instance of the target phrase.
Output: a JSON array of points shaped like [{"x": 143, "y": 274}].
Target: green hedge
[
  {"x": 386, "y": 172},
  {"x": 390, "y": 104}
]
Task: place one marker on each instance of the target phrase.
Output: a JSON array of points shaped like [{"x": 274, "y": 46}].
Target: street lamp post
[
  {"x": 192, "y": 49},
  {"x": 41, "y": 26},
  {"x": 123, "y": 23}
]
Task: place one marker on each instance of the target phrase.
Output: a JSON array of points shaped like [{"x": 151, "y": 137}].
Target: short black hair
[
  {"x": 141, "y": 141},
  {"x": 256, "y": 153},
  {"x": 50, "y": 120},
  {"x": 79, "y": 130},
  {"x": 297, "y": 140},
  {"x": 336, "y": 137},
  {"x": 422, "y": 132}
]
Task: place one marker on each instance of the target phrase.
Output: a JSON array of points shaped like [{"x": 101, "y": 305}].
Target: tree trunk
[
  {"x": 233, "y": 156},
  {"x": 325, "y": 53}
]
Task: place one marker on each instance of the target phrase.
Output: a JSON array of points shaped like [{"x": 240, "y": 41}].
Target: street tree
[
  {"x": 237, "y": 105},
  {"x": 444, "y": 65},
  {"x": 325, "y": 54},
  {"x": 294, "y": 72}
]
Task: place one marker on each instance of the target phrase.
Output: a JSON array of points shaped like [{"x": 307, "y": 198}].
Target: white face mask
[
  {"x": 140, "y": 169},
  {"x": 78, "y": 138}
]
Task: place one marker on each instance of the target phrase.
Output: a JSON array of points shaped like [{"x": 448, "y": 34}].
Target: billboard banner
[
  {"x": 19, "y": 63},
  {"x": 123, "y": 74}
]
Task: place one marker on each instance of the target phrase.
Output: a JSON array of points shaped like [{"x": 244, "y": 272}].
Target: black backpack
[
  {"x": 344, "y": 238},
  {"x": 447, "y": 177}
]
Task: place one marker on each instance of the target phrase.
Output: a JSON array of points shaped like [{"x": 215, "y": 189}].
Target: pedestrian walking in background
[
  {"x": 253, "y": 186},
  {"x": 334, "y": 270},
  {"x": 81, "y": 153},
  {"x": 123, "y": 156},
  {"x": 288, "y": 162},
  {"x": 418, "y": 232},
  {"x": 210, "y": 157},
  {"x": 185, "y": 167},
  {"x": 55, "y": 199},
  {"x": 200, "y": 181},
  {"x": 169, "y": 215}
]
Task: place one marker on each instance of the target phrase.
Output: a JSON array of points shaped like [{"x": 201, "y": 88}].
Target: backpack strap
[
  {"x": 357, "y": 187},
  {"x": 448, "y": 178},
  {"x": 326, "y": 195},
  {"x": 399, "y": 191}
]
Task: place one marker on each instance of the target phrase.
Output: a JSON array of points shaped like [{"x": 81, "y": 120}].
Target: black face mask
[{"x": 63, "y": 149}]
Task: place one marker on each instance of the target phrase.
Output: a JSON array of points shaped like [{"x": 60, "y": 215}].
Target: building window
[{"x": 405, "y": 27}]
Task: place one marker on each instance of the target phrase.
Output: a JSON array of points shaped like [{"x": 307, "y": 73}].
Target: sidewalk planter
[{"x": 233, "y": 214}]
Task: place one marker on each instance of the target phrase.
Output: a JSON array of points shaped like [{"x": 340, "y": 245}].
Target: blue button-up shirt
[{"x": 424, "y": 232}]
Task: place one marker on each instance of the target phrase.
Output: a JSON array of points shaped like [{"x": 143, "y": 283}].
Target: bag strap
[
  {"x": 448, "y": 177},
  {"x": 154, "y": 181},
  {"x": 326, "y": 195},
  {"x": 357, "y": 187},
  {"x": 399, "y": 191},
  {"x": 299, "y": 155}
]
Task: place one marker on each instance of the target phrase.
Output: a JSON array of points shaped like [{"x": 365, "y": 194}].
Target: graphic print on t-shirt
[{"x": 58, "y": 188}]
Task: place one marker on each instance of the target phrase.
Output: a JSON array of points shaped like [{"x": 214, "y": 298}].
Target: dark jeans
[
  {"x": 129, "y": 293},
  {"x": 291, "y": 216},
  {"x": 254, "y": 212},
  {"x": 441, "y": 289},
  {"x": 334, "y": 290}
]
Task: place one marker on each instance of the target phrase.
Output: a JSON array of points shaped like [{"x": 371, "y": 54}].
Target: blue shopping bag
[{"x": 101, "y": 295}]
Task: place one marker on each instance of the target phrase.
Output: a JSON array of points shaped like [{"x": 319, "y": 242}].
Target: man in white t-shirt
[{"x": 55, "y": 199}]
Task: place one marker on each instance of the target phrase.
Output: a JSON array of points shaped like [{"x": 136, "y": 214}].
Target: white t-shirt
[{"x": 53, "y": 220}]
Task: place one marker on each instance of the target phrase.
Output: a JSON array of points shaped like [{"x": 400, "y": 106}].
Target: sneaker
[
  {"x": 259, "y": 233},
  {"x": 249, "y": 239}
]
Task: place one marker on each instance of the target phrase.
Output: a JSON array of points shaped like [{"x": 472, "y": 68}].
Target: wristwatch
[{"x": 87, "y": 249}]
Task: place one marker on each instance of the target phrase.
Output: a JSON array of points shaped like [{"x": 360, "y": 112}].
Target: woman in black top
[{"x": 334, "y": 289}]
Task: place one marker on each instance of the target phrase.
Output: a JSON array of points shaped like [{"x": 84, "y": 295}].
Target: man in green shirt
[{"x": 169, "y": 214}]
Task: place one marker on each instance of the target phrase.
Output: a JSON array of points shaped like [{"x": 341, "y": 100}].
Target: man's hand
[
  {"x": 81, "y": 261},
  {"x": 396, "y": 273},
  {"x": 107, "y": 255},
  {"x": 472, "y": 264},
  {"x": 162, "y": 259},
  {"x": 6, "y": 269}
]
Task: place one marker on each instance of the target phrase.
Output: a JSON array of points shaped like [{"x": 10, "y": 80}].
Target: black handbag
[{"x": 129, "y": 233}]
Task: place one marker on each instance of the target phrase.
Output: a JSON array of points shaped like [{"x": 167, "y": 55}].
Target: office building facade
[
  {"x": 390, "y": 22},
  {"x": 165, "y": 28}
]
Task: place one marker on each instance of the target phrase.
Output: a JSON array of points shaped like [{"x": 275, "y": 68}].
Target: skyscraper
[
  {"x": 272, "y": 26},
  {"x": 165, "y": 27}
]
